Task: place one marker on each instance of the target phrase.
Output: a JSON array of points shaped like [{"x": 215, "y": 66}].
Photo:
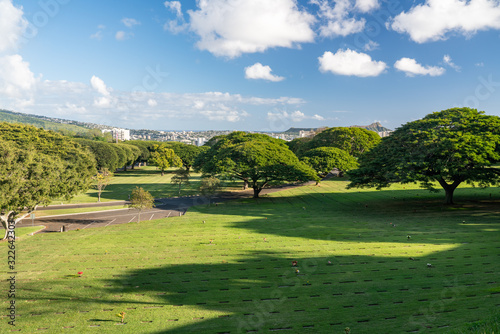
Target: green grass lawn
[
  {"x": 148, "y": 178},
  {"x": 227, "y": 268}
]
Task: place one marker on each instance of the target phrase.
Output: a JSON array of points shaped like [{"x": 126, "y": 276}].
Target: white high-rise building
[{"x": 121, "y": 134}]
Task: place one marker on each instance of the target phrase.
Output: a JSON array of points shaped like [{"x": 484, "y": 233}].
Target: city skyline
[{"x": 239, "y": 65}]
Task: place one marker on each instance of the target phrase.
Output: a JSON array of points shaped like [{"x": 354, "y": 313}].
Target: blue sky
[{"x": 262, "y": 65}]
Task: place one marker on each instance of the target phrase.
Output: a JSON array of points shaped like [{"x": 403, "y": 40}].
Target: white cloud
[
  {"x": 348, "y": 62},
  {"x": 366, "y": 6},
  {"x": 295, "y": 116},
  {"x": 224, "y": 115},
  {"x": 179, "y": 24},
  {"x": 174, "y": 6},
  {"x": 152, "y": 103},
  {"x": 232, "y": 27},
  {"x": 435, "y": 19},
  {"x": 12, "y": 25},
  {"x": 337, "y": 22},
  {"x": 412, "y": 68},
  {"x": 259, "y": 71},
  {"x": 371, "y": 45},
  {"x": 447, "y": 60},
  {"x": 129, "y": 22},
  {"x": 16, "y": 78},
  {"x": 122, "y": 35},
  {"x": 99, "y": 85}
]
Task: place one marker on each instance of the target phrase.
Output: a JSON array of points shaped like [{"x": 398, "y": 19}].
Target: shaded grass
[{"x": 228, "y": 268}]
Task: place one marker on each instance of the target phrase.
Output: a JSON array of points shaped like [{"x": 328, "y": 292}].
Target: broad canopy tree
[
  {"x": 447, "y": 147},
  {"x": 325, "y": 159},
  {"x": 164, "y": 157},
  {"x": 256, "y": 159},
  {"x": 38, "y": 166},
  {"x": 354, "y": 141}
]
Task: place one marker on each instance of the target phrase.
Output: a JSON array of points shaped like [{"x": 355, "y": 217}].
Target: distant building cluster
[{"x": 119, "y": 134}]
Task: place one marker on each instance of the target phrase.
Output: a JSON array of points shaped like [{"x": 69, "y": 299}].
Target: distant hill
[
  {"x": 47, "y": 123},
  {"x": 296, "y": 131},
  {"x": 377, "y": 127}
]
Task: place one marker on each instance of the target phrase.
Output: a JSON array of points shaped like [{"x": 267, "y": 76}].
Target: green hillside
[{"x": 42, "y": 122}]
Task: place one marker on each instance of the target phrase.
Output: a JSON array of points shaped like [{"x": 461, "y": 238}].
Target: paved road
[{"x": 164, "y": 208}]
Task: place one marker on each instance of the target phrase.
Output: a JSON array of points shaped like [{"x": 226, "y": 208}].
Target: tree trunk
[
  {"x": 449, "y": 189},
  {"x": 245, "y": 184},
  {"x": 256, "y": 191},
  {"x": 99, "y": 196}
]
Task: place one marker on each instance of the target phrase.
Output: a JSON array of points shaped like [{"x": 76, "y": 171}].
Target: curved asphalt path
[{"x": 164, "y": 208}]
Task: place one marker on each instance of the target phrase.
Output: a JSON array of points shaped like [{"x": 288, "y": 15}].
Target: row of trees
[{"x": 37, "y": 166}]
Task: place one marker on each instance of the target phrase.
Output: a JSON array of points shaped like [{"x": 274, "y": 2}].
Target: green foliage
[
  {"x": 164, "y": 157},
  {"x": 298, "y": 145},
  {"x": 78, "y": 162},
  {"x": 180, "y": 178},
  {"x": 131, "y": 154},
  {"x": 27, "y": 178},
  {"x": 105, "y": 154},
  {"x": 355, "y": 141},
  {"x": 144, "y": 146},
  {"x": 324, "y": 159},
  {"x": 448, "y": 147},
  {"x": 187, "y": 153},
  {"x": 210, "y": 186},
  {"x": 102, "y": 179},
  {"x": 256, "y": 159},
  {"x": 141, "y": 199}
]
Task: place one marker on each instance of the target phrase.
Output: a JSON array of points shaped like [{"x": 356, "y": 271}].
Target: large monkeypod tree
[
  {"x": 257, "y": 159},
  {"x": 446, "y": 148}
]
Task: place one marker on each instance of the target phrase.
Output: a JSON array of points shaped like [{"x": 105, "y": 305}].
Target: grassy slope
[{"x": 169, "y": 278}]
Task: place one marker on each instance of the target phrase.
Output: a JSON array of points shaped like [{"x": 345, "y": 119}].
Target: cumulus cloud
[
  {"x": 337, "y": 16},
  {"x": 12, "y": 25},
  {"x": 224, "y": 115},
  {"x": 129, "y": 22},
  {"x": 412, "y": 68},
  {"x": 106, "y": 100},
  {"x": 232, "y": 27},
  {"x": 336, "y": 20},
  {"x": 122, "y": 35},
  {"x": 174, "y": 6},
  {"x": 436, "y": 19},
  {"x": 152, "y": 103},
  {"x": 447, "y": 60},
  {"x": 16, "y": 78},
  {"x": 366, "y": 6},
  {"x": 295, "y": 116},
  {"x": 370, "y": 46},
  {"x": 179, "y": 24},
  {"x": 259, "y": 71},
  {"x": 348, "y": 62},
  {"x": 99, "y": 85}
]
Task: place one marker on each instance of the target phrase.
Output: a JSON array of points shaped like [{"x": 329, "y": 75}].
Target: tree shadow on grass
[
  {"x": 265, "y": 293},
  {"x": 381, "y": 216}
]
